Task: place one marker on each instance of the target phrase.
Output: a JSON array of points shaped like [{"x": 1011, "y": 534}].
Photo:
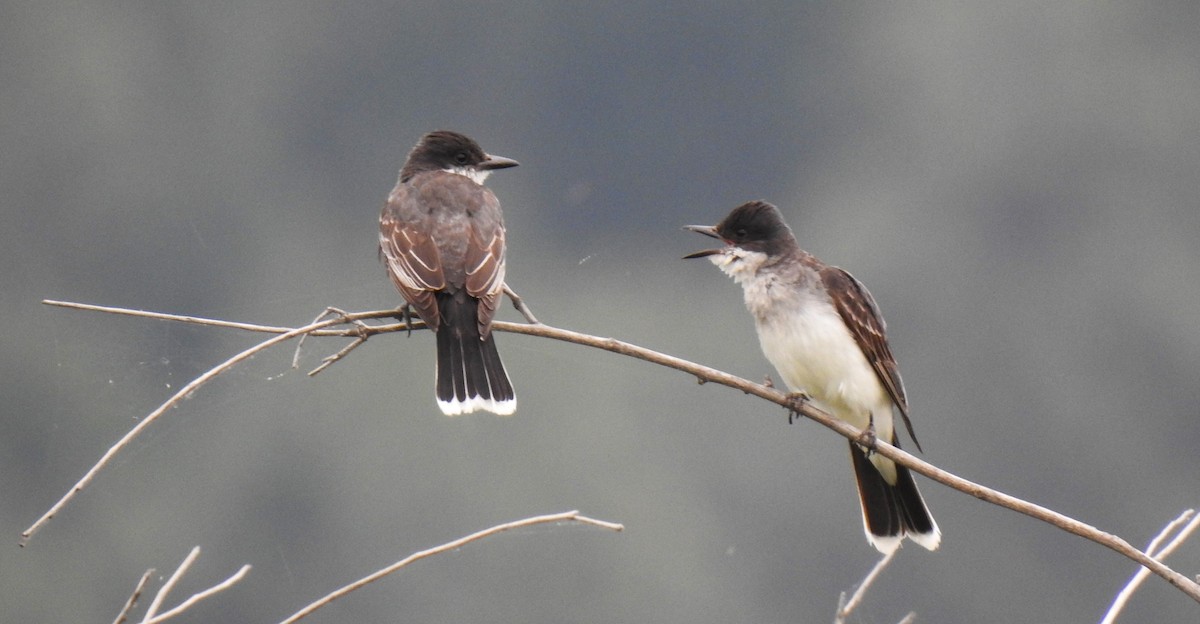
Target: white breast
[{"x": 815, "y": 354}]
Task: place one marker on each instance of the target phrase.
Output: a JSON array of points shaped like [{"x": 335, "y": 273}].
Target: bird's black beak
[
  {"x": 497, "y": 162},
  {"x": 706, "y": 230}
]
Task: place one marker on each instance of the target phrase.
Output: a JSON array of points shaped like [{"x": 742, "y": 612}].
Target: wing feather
[
  {"x": 861, "y": 315},
  {"x": 485, "y": 272},
  {"x": 413, "y": 263}
]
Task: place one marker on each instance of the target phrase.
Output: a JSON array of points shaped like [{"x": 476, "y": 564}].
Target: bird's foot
[
  {"x": 796, "y": 401},
  {"x": 404, "y": 315},
  {"x": 867, "y": 438}
]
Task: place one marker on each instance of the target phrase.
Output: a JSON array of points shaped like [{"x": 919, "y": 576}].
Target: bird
[
  {"x": 823, "y": 333},
  {"x": 442, "y": 241}
]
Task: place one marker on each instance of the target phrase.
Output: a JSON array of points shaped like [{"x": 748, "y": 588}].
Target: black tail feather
[
  {"x": 892, "y": 512},
  {"x": 470, "y": 375}
]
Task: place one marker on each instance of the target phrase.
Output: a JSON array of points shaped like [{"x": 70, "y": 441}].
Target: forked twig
[
  {"x": 184, "y": 392},
  {"x": 152, "y": 615},
  {"x": 519, "y": 304},
  {"x": 569, "y": 516},
  {"x": 1189, "y": 520},
  {"x": 163, "y": 591},
  {"x": 361, "y": 330}
]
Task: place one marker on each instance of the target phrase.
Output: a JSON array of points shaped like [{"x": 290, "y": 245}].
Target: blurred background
[{"x": 1015, "y": 182}]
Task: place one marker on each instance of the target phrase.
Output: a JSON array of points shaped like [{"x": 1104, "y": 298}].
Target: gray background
[{"x": 1016, "y": 183}]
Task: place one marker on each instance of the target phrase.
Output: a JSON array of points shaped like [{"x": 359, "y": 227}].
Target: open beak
[
  {"x": 706, "y": 230},
  {"x": 497, "y": 162}
]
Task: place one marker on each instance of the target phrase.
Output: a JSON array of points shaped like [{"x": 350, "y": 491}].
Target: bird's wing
[
  {"x": 860, "y": 314},
  {"x": 485, "y": 260},
  {"x": 411, "y": 256}
]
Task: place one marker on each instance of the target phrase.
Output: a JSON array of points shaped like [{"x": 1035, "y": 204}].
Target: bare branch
[
  {"x": 569, "y": 516},
  {"x": 362, "y": 330},
  {"x": 1192, "y": 522},
  {"x": 703, "y": 373},
  {"x": 846, "y": 607},
  {"x": 197, "y": 597},
  {"x": 152, "y": 616},
  {"x": 170, "y": 584},
  {"x": 187, "y": 390},
  {"x": 133, "y": 598},
  {"x": 254, "y": 327},
  {"x": 330, "y": 360},
  {"x": 519, "y": 304}
]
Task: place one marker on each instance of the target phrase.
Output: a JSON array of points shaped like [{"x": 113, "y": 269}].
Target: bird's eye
[
  {"x": 741, "y": 232},
  {"x": 461, "y": 158}
]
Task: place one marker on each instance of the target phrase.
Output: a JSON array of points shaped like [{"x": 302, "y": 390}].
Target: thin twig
[
  {"x": 519, "y": 304},
  {"x": 846, "y": 607},
  {"x": 1192, "y": 522},
  {"x": 161, "y": 596},
  {"x": 253, "y": 327},
  {"x": 1152, "y": 548},
  {"x": 908, "y": 619},
  {"x": 569, "y": 516},
  {"x": 152, "y": 615},
  {"x": 184, "y": 392},
  {"x": 133, "y": 598},
  {"x": 362, "y": 330},
  {"x": 330, "y": 360},
  {"x": 1066, "y": 523},
  {"x": 198, "y": 596}
]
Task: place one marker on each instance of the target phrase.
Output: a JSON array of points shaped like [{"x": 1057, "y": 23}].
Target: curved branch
[
  {"x": 283, "y": 335},
  {"x": 913, "y": 463},
  {"x": 703, "y": 373},
  {"x": 566, "y": 516}
]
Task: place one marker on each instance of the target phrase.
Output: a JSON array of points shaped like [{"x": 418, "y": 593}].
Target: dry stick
[
  {"x": 845, "y": 608},
  {"x": 706, "y": 374},
  {"x": 171, "y": 581},
  {"x": 1123, "y": 597},
  {"x": 284, "y": 334},
  {"x": 133, "y": 598},
  {"x": 198, "y": 596},
  {"x": 152, "y": 616},
  {"x": 254, "y": 327},
  {"x": 519, "y": 304},
  {"x": 568, "y": 516}
]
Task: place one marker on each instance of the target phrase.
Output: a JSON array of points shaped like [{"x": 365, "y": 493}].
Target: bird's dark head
[
  {"x": 754, "y": 226},
  {"x": 452, "y": 151}
]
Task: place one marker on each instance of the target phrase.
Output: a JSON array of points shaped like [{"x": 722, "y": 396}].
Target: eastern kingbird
[
  {"x": 441, "y": 237},
  {"x": 823, "y": 333}
]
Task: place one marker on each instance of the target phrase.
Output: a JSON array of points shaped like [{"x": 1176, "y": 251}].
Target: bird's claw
[
  {"x": 867, "y": 438},
  {"x": 404, "y": 315},
  {"x": 795, "y": 401}
]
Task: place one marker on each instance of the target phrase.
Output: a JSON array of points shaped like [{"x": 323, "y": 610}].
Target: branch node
[{"x": 519, "y": 304}]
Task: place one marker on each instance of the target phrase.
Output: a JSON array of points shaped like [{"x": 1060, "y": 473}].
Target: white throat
[
  {"x": 476, "y": 175},
  {"x": 739, "y": 264}
]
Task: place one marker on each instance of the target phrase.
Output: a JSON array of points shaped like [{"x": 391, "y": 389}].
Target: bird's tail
[
  {"x": 470, "y": 375},
  {"x": 892, "y": 511}
]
